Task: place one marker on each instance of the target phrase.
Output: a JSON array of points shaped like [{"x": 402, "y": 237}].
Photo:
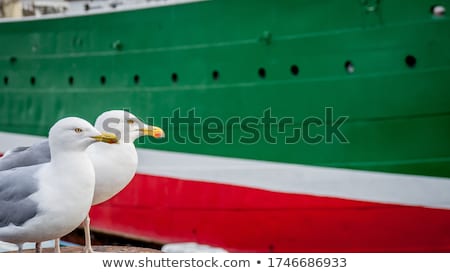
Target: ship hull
[{"x": 232, "y": 217}]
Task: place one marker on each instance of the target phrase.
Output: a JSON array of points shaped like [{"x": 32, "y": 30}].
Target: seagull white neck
[{"x": 66, "y": 160}]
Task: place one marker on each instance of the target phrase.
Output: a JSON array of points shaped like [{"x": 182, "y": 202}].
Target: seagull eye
[
  {"x": 130, "y": 121},
  {"x": 78, "y": 130}
]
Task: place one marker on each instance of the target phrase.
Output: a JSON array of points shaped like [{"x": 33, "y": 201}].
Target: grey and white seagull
[{"x": 46, "y": 201}]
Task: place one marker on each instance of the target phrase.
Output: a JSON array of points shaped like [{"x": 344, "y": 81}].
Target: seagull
[
  {"x": 46, "y": 201},
  {"x": 113, "y": 175},
  {"x": 114, "y": 165}
]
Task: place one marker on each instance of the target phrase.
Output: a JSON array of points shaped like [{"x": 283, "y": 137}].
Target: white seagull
[
  {"x": 113, "y": 175},
  {"x": 114, "y": 165},
  {"x": 46, "y": 201}
]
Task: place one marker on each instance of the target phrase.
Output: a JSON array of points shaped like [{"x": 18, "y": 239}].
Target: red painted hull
[{"x": 242, "y": 219}]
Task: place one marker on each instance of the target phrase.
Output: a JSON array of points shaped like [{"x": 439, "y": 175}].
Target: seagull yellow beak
[
  {"x": 106, "y": 137},
  {"x": 153, "y": 131}
]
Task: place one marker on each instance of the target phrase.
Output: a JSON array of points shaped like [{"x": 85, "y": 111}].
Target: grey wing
[
  {"x": 16, "y": 186},
  {"x": 16, "y": 150},
  {"x": 26, "y": 156}
]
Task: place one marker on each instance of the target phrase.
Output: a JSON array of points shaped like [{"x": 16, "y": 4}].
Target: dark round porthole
[
  {"x": 103, "y": 80},
  {"x": 349, "y": 67},
  {"x": 215, "y": 75},
  {"x": 262, "y": 73},
  {"x": 136, "y": 79},
  {"x": 174, "y": 77},
  {"x": 410, "y": 61},
  {"x": 71, "y": 80},
  {"x": 294, "y": 70}
]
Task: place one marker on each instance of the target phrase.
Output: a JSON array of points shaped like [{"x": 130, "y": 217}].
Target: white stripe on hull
[{"x": 379, "y": 187}]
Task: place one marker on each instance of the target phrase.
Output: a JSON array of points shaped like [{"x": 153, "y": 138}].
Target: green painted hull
[{"x": 398, "y": 107}]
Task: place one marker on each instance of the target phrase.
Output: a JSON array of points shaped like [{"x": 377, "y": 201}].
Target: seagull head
[
  {"x": 76, "y": 134},
  {"x": 126, "y": 126}
]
